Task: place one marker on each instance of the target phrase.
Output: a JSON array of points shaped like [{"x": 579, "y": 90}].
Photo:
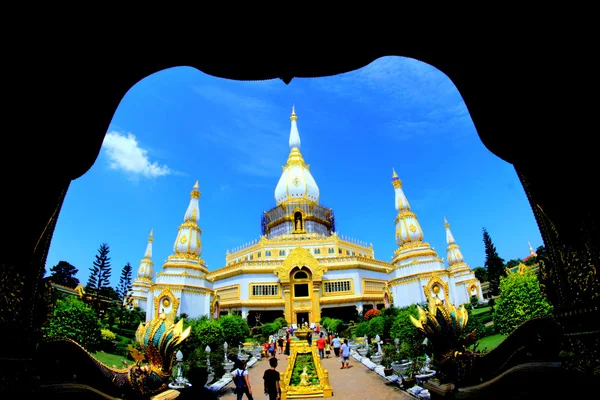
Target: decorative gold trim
[
  {"x": 436, "y": 281},
  {"x": 300, "y": 257},
  {"x": 166, "y": 293}
]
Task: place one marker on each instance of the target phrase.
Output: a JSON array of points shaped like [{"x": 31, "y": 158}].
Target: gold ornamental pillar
[
  {"x": 287, "y": 312},
  {"x": 316, "y": 302}
]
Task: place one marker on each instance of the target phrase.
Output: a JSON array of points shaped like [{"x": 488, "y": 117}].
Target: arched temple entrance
[{"x": 300, "y": 276}]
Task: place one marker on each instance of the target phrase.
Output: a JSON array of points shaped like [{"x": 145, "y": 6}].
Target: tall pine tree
[
  {"x": 493, "y": 263},
  {"x": 99, "y": 279},
  {"x": 124, "y": 288},
  {"x": 63, "y": 274}
]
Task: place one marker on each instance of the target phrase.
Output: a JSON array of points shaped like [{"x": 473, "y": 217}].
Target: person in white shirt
[
  {"x": 242, "y": 381},
  {"x": 336, "y": 345},
  {"x": 345, "y": 354}
]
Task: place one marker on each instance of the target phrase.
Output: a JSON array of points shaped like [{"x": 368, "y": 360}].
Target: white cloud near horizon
[{"x": 124, "y": 153}]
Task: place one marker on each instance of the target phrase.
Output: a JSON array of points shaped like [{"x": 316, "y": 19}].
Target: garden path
[{"x": 355, "y": 383}]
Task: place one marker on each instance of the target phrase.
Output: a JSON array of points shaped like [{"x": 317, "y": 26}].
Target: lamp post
[{"x": 208, "y": 368}]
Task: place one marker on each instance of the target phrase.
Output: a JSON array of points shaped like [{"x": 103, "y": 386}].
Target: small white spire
[
  {"x": 531, "y": 251},
  {"x": 449, "y": 237},
  {"x": 294, "y": 134}
]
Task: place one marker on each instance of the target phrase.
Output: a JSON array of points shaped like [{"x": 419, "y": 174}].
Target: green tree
[
  {"x": 63, "y": 274},
  {"x": 513, "y": 263},
  {"x": 411, "y": 340},
  {"x": 481, "y": 274},
  {"x": 124, "y": 287},
  {"x": 493, "y": 263},
  {"x": 235, "y": 329},
  {"x": 520, "y": 299},
  {"x": 99, "y": 279},
  {"x": 73, "y": 319}
]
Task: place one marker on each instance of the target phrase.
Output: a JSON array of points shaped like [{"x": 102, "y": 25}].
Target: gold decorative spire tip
[
  {"x": 293, "y": 117},
  {"x": 196, "y": 185},
  {"x": 394, "y": 174},
  {"x": 446, "y": 224},
  {"x": 151, "y": 232}
]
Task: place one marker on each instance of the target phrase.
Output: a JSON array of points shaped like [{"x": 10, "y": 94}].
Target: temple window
[
  {"x": 331, "y": 250},
  {"x": 317, "y": 251},
  {"x": 347, "y": 252},
  {"x": 337, "y": 286},
  {"x": 301, "y": 290},
  {"x": 282, "y": 252},
  {"x": 258, "y": 255},
  {"x": 251, "y": 257},
  {"x": 268, "y": 253},
  {"x": 300, "y": 275},
  {"x": 340, "y": 251},
  {"x": 265, "y": 289}
]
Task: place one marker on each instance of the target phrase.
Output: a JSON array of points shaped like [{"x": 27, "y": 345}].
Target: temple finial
[
  {"x": 151, "y": 236},
  {"x": 293, "y": 117},
  {"x": 196, "y": 185},
  {"x": 531, "y": 251},
  {"x": 394, "y": 174},
  {"x": 446, "y": 224}
]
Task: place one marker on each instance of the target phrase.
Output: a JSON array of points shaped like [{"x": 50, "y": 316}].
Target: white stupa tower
[
  {"x": 181, "y": 286},
  {"x": 143, "y": 282}
]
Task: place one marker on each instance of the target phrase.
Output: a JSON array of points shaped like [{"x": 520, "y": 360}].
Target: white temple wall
[
  {"x": 245, "y": 280},
  {"x": 408, "y": 293},
  {"x": 194, "y": 304},
  {"x": 150, "y": 306}
]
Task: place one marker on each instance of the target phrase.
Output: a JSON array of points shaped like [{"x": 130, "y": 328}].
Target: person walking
[
  {"x": 288, "y": 339},
  {"x": 309, "y": 338},
  {"x": 336, "y": 345},
  {"x": 280, "y": 343},
  {"x": 345, "y": 354},
  {"x": 321, "y": 346},
  {"x": 242, "y": 381},
  {"x": 271, "y": 378}
]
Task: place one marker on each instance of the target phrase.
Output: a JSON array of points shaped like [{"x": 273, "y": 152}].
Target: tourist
[
  {"x": 280, "y": 343},
  {"x": 321, "y": 346},
  {"x": 309, "y": 338},
  {"x": 288, "y": 339},
  {"x": 242, "y": 381},
  {"x": 336, "y": 345},
  {"x": 266, "y": 349},
  {"x": 345, "y": 354},
  {"x": 271, "y": 378},
  {"x": 197, "y": 376},
  {"x": 327, "y": 348},
  {"x": 272, "y": 349}
]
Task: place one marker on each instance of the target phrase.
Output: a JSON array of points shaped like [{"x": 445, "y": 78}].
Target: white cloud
[
  {"x": 411, "y": 98},
  {"x": 124, "y": 153}
]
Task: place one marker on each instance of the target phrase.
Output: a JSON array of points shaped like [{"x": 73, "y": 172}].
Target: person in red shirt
[{"x": 321, "y": 346}]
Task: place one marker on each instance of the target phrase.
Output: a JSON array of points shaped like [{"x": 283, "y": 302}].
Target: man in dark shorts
[
  {"x": 280, "y": 343},
  {"x": 271, "y": 378}
]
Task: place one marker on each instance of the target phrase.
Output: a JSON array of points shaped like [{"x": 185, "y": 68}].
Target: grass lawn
[
  {"x": 482, "y": 310},
  {"x": 490, "y": 342},
  {"x": 111, "y": 359}
]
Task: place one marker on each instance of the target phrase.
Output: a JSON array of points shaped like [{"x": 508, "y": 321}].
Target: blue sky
[{"x": 181, "y": 125}]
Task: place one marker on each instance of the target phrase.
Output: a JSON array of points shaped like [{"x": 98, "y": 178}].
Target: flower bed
[{"x": 304, "y": 360}]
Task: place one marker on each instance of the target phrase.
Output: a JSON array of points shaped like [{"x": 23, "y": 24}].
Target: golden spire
[
  {"x": 151, "y": 236},
  {"x": 293, "y": 117},
  {"x": 195, "y": 194},
  {"x": 396, "y": 182},
  {"x": 446, "y": 224}
]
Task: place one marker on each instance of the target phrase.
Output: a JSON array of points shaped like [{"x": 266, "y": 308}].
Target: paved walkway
[{"x": 355, "y": 383}]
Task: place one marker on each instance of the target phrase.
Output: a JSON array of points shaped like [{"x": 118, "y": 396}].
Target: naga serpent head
[{"x": 158, "y": 339}]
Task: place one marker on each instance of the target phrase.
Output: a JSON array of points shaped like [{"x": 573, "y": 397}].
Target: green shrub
[
  {"x": 361, "y": 329},
  {"x": 485, "y": 318},
  {"x": 520, "y": 299},
  {"x": 281, "y": 321},
  {"x": 411, "y": 340},
  {"x": 376, "y": 325},
  {"x": 73, "y": 319},
  {"x": 474, "y": 301},
  {"x": 235, "y": 329}
]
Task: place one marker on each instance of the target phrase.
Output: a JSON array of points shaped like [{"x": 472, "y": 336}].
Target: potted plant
[
  {"x": 389, "y": 355},
  {"x": 408, "y": 376}
]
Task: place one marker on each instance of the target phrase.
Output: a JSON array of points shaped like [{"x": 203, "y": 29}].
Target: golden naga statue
[{"x": 158, "y": 341}]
